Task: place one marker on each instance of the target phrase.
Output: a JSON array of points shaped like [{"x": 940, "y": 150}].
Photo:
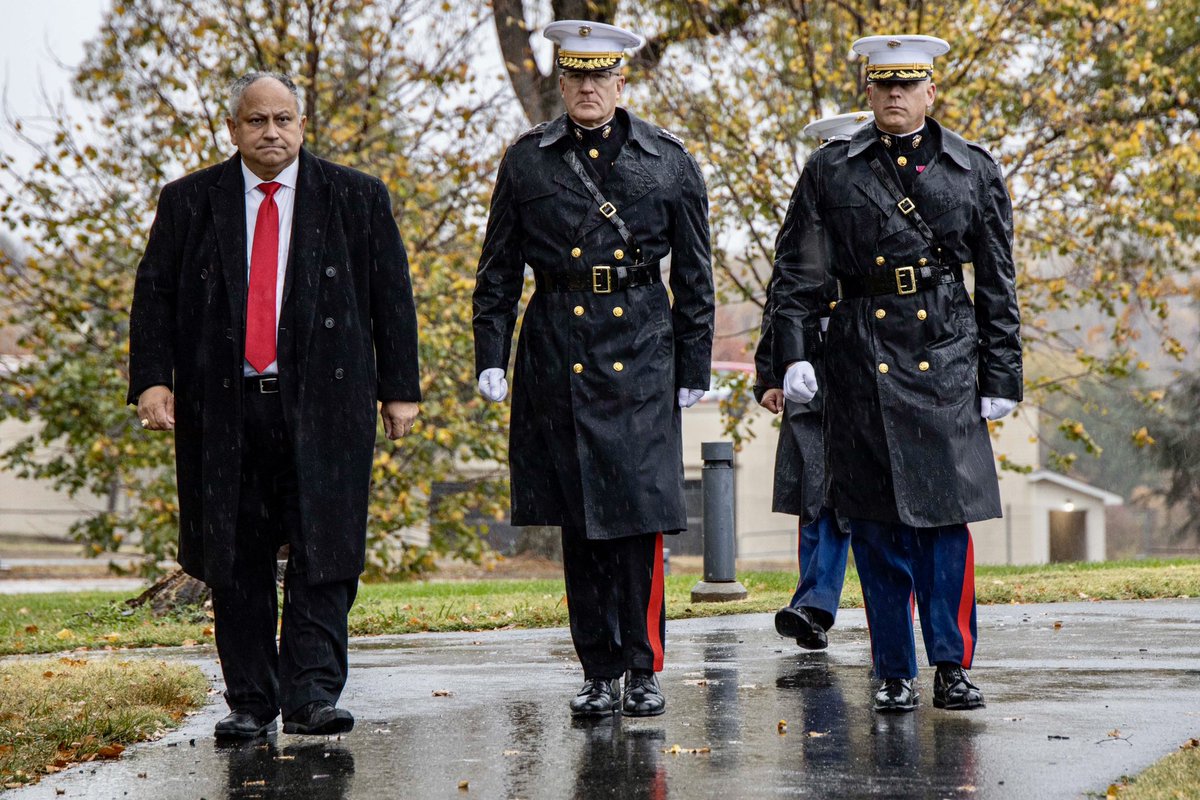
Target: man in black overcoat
[
  {"x": 915, "y": 366},
  {"x": 593, "y": 201},
  {"x": 272, "y": 314},
  {"x": 801, "y": 482}
]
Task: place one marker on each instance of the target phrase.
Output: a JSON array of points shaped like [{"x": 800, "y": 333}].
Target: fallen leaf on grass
[
  {"x": 189, "y": 642},
  {"x": 110, "y": 751},
  {"x": 31, "y": 628},
  {"x": 112, "y": 637},
  {"x": 208, "y": 630},
  {"x": 65, "y": 633},
  {"x": 1189, "y": 744},
  {"x": 48, "y": 674}
]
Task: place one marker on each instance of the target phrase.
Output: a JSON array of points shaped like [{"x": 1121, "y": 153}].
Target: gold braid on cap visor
[
  {"x": 572, "y": 59},
  {"x": 899, "y": 72}
]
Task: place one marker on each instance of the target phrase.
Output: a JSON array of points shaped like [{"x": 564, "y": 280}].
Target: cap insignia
[
  {"x": 586, "y": 31},
  {"x": 891, "y": 42}
]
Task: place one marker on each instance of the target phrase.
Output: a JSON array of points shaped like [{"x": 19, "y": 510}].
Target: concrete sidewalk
[{"x": 1061, "y": 681}]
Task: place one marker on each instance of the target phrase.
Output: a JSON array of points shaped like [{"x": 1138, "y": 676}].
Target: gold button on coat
[
  {"x": 579, "y": 311},
  {"x": 594, "y": 153},
  {"x": 618, "y": 366},
  {"x": 832, "y": 305},
  {"x": 578, "y": 368},
  {"x": 921, "y": 314},
  {"x": 880, "y": 313},
  {"x": 618, "y": 312},
  {"x": 576, "y": 252},
  {"x": 922, "y": 262},
  {"x": 618, "y": 254},
  {"x": 879, "y": 260},
  {"x": 883, "y": 368},
  {"x": 902, "y": 161},
  {"x": 924, "y": 365}
]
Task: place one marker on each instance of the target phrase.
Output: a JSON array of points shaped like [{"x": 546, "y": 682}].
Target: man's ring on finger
[{"x": 145, "y": 423}]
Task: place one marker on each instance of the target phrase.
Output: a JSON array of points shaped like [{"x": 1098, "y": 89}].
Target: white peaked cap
[
  {"x": 901, "y": 57},
  {"x": 838, "y": 126},
  {"x": 589, "y": 46}
]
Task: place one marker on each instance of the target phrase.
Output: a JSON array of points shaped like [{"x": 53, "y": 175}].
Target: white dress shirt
[{"x": 285, "y": 201}]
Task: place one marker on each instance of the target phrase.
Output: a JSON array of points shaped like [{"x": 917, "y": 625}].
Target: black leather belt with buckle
[
  {"x": 261, "y": 384},
  {"x": 901, "y": 280},
  {"x": 600, "y": 279}
]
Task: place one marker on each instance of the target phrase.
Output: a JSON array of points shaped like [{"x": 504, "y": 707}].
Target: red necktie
[{"x": 264, "y": 269}]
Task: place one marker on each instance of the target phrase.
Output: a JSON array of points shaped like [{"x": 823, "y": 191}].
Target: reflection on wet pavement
[{"x": 749, "y": 715}]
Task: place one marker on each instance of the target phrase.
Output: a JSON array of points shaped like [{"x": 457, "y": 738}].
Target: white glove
[
  {"x": 995, "y": 407},
  {"x": 689, "y": 397},
  {"x": 800, "y": 382},
  {"x": 492, "y": 384}
]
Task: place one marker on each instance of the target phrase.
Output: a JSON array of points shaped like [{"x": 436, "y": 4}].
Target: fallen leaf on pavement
[
  {"x": 442, "y": 693},
  {"x": 816, "y": 734},
  {"x": 109, "y": 751},
  {"x": 782, "y": 726},
  {"x": 464, "y": 786},
  {"x": 1189, "y": 744},
  {"x": 676, "y": 750}
]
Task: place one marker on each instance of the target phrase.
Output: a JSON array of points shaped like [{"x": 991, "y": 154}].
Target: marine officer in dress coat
[
  {"x": 915, "y": 366},
  {"x": 593, "y": 202}
]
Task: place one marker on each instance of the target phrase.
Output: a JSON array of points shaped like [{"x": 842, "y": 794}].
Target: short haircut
[{"x": 239, "y": 87}]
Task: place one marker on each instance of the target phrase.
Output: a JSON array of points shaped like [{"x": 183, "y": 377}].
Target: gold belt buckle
[
  {"x": 906, "y": 280},
  {"x": 906, "y": 206},
  {"x": 608, "y": 209},
  {"x": 597, "y": 286}
]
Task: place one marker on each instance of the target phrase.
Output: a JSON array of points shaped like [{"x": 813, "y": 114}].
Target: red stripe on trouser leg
[
  {"x": 966, "y": 603},
  {"x": 800, "y": 552},
  {"x": 654, "y": 608}
]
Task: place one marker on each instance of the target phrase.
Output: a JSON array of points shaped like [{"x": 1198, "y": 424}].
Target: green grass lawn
[
  {"x": 57, "y": 712},
  {"x": 1176, "y": 777},
  {"x": 100, "y": 620}
]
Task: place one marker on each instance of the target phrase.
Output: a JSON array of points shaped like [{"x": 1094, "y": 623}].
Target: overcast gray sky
[{"x": 34, "y": 37}]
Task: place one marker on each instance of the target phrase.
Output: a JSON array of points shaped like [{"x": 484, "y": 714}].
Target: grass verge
[
  {"x": 99, "y": 620},
  {"x": 1176, "y": 777},
  {"x": 57, "y": 712}
]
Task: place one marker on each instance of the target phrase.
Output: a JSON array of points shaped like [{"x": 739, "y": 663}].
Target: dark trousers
[
  {"x": 310, "y": 660},
  {"x": 615, "y": 602},
  {"x": 938, "y": 565},
  {"x": 822, "y": 553}
]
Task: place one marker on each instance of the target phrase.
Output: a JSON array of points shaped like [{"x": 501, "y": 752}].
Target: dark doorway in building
[{"x": 1068, "y": 536}]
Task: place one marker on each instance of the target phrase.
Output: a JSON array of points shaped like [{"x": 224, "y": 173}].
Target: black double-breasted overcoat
[
  {"x": 595, "y": 436},
  {"x": 905, "y": 371},
  {"x": 801, "y": 479},
  {"x": 347, "y": 338}
]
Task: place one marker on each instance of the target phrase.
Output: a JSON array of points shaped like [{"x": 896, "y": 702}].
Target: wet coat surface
[
  {"x": 1054, "y": 694},
  {"x": 347, "y": 338},
  {"x": 595, "y": 437},
  {"x": 905, "y": 372}
]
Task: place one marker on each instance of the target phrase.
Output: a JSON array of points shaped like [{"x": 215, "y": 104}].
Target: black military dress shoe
[
  {"x": 953, "y": 690},
  {"x": 643, "y": 697},
  {"x": 319, "y": 718},
  {"x": 896, "y": 695},
  {"x": 244, "y": 725},
  {"x": 798, "y": 624},
  {"x": 598, "y": 697}
]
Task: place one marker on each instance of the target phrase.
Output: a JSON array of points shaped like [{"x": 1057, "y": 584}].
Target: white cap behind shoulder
[
  {"x": 585, "y": 46},
  {"x": 901, "y": 58},
  {"x": 838, "y": 126}
]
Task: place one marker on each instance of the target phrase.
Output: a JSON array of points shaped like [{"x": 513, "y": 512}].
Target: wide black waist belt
[
  {"x": 901, "y": 280},
  {"x": 600, "y": 279}
]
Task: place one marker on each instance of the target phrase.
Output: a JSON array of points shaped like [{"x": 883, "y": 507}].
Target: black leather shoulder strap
[
  {"x": 907, "y": 207},
  {"x": 607, "y": 209}
]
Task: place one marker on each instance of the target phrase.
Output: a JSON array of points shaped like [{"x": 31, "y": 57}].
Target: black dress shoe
[
  {"x": 319, "y": 718},
  {"x": 952, "y": 689},
  {"x": 244, "y": 725},
  {"x": 598, "y": 697},
  {"x": 643, "y": 697},
  {"x": 798, "y": 624},
  {"x": 896, "y": 695}
]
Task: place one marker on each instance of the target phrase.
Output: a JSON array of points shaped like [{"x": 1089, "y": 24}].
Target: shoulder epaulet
[
  {"x": 536, "y": 130},
  {"x": 666, "y": 134}
]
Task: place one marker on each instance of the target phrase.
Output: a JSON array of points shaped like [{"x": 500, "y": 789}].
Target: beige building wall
[{"x": 35, "y": 508}]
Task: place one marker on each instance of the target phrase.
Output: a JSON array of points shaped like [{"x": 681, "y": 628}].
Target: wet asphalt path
[{"x": 1058, "y": 696}]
